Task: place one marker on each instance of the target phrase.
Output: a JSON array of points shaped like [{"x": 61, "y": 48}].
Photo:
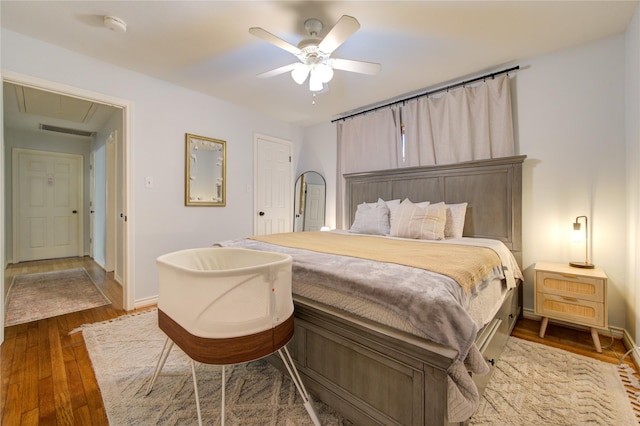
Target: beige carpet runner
[
  {"x": 533, "y": 385},
  {"x": 34, "y": 297}
]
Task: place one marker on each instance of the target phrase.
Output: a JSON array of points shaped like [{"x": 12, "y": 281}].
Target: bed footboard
[
  {"x": 367, "y": 373},
  {"x": 371, "y": 374}
]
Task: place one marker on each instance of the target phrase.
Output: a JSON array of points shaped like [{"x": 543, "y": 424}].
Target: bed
[{"x": 372, "y": 363}]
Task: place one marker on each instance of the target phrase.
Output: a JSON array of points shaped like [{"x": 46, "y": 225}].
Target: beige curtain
[
  {"x": 463, "y": 124},
  {"x": 366, "y": 142}
]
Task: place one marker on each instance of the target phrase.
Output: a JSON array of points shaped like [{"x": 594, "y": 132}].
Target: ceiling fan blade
[
  {"x": 361, "y": 67},
  {"x": 340, "y": 32},
  {"x": 278, "y": 71},
  {"x": 276, "y": 41}
]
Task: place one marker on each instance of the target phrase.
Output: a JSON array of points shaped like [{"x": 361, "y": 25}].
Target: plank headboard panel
[{"x": 493, "y": 189}]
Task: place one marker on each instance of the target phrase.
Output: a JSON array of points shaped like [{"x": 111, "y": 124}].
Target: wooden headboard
[{"x": 493, "y": 189}]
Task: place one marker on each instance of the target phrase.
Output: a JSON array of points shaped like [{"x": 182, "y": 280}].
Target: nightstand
[{"x": 574, "y": 295}]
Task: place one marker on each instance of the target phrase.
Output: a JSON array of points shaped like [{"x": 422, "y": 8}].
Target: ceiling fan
[{"x": 314, "y": 53}]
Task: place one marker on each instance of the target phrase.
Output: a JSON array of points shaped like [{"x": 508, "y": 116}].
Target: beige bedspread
[{"x": 467, "y": 265}]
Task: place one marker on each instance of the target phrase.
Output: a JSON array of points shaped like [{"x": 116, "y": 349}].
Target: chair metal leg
[
  {"x": 195, "y": 391},
  {"x": 297, "y": 381},
  {"x": 223, "y": 396},
  {"x": 166, "y": 348}
]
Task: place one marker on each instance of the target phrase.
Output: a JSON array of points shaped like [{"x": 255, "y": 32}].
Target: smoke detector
[{"x": 115, "y": 24}]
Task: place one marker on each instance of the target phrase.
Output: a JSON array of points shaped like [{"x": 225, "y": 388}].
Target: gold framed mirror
[{"x": 205, "y": 171}]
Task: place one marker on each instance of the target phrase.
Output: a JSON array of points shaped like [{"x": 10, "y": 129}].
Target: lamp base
[{"x": 583, "y": 265}]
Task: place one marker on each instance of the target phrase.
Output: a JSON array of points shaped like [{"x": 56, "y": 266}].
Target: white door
[
  {"x": 92, "y": 198},
  {"x": 48, "y": 198},
  {"x": 112, "y": 191},
  {"x": 314, "y": 207},
  {"x": 273, "y": 186}
]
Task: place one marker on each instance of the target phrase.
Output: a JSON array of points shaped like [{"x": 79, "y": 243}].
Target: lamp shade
[
  {"x": 324, "y": 72},
  {"x": 300, "y": 73},
  {"x": 578, "y": 236},
  {"x": 315, "y": 84}
]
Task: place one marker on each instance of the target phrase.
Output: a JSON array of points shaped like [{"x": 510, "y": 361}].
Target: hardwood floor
[
  {"x": 47, "y": 377},
  {"x": 46, "y": 373}
]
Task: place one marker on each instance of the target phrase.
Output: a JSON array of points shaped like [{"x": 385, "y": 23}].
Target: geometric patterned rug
[
  {"x": 536, "y": 384},
  {"x": 124, "y": 352},
  {"x": 33, "y": 297},
  {"x": 533, "y": 385}
]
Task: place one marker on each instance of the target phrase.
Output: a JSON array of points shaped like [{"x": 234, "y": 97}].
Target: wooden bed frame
[{"x": 373, "y": 374}]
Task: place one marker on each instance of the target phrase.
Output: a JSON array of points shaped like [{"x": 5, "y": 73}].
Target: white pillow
[
  {"x": 416, "y": 222},
  {"x": 371, "y": 219},
  {"x": 455, "y": 220},
  {"x": 393, "y": 209}
]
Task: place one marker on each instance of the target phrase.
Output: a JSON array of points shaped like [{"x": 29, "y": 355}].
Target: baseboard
[
  {"x": 118, "y": 279},
  {"x": 615, "y": 332},
  {"x": 143, "y": 303},
  {"x": 100, "y": 264},
  {"x": 630, "y": 343}
]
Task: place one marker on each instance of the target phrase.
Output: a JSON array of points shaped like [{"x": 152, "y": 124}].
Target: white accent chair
[{"x": 227, "y": 306}]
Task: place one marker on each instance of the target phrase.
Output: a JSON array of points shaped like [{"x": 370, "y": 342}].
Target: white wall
[
  {"x": 162, "y": 114},
  {"x": 570, "y": 113},
  {"x": 632, "y": 90},
  {"x": 318, "y": 153}
]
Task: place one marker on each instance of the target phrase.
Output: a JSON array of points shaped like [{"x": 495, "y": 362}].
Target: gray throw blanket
[{"x": 433, "y": 303}]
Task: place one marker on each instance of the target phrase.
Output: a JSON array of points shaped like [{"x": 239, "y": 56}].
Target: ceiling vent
[{"x": 75, "y": 132}]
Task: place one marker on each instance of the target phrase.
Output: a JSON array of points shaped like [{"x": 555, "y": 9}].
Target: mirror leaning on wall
[{"x": 309, "y": 202}]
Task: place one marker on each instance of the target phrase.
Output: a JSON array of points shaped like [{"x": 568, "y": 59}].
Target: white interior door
[
  {"x": 111, "y": 208},
  {"x": 273, "y": 185},
  {"x": 92, "y": 198},
  {"x": 314, "y": 207},
  {"x": 48, "y": 202}
]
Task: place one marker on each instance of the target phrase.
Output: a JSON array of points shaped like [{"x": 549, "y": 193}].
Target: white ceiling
[{"x": 206, "y": 46}]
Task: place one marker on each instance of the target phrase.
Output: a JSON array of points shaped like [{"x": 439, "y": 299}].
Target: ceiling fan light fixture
[
  {"x": 300, "y": 73},
  {"x": 314, "y": 54},
  {"x": 324, "y": 72}
]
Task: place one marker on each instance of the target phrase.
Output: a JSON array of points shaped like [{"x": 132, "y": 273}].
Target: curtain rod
[{"x": 431, "y": 92}]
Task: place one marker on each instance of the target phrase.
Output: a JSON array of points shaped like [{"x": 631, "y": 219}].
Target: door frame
[
  {"x": 17, "y": 223},
  {"x": 126, "y": 106}
]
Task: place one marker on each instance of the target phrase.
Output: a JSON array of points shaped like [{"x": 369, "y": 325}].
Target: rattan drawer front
[
  {"x": 583, "y": 288},
  {"x": 571, "y": 309}
]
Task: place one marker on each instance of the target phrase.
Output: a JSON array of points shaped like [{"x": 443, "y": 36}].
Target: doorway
[{"x": 123, "y": 109}]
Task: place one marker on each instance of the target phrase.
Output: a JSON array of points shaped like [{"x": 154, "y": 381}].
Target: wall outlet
[{"x": 148, "y": 182}]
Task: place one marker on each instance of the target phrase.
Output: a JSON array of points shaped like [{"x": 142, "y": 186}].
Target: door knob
[{"x": 261, "y": 213}]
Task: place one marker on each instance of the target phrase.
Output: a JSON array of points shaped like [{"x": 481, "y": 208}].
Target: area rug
[
  {"x": 533, "y": 385},
  {"x": 34, "y": 297},
  {"x": 124, "y": 353}
]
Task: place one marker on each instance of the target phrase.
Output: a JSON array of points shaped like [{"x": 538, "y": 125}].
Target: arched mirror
[{"x": 310, "y": 193}]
